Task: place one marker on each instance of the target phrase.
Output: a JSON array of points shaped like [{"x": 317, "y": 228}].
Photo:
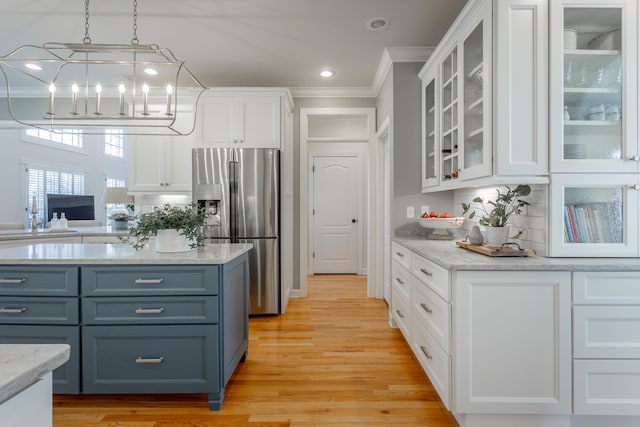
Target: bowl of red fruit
[{"x": 441, "y": 224}]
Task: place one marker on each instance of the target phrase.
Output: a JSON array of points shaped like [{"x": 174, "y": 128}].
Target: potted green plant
[
  {"x": 496, "y": 214},
  {"x": 177, "y": 229},
  {"x": 120, "y": 220}
]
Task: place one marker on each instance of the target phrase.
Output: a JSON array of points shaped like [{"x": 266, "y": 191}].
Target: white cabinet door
[
  {"x": 239, "y": 121},
  {"x": 513, "y": 342},
  {"x": 521, "y": 76},
  {"x": 605, "y": 387},
  {"x": 160, "y": 164}
]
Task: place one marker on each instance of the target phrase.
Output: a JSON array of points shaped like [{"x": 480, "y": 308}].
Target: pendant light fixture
[{"x": 140, "y": 88}]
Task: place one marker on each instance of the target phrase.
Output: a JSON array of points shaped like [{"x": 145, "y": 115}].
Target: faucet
[{"x": 34, "y": 222}]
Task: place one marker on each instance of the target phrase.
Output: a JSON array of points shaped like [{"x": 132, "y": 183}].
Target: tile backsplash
[
  {"x": 533, "y": 219},
  {"x": 146, "y": 203}
]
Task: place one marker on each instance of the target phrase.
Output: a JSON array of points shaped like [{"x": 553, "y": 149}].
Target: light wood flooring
[{"x": 331, "y": 360}]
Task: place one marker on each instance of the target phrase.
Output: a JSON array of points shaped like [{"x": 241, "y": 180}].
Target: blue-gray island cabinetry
[{"x": 137, "y": 322}]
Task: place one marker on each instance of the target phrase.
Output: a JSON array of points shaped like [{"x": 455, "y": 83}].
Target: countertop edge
[
  {"x": 449, "y": 256},
  {"x": 22, "y": 364}
]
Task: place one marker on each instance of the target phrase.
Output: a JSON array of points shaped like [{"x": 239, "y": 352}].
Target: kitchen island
[
  {"x": 527, "y": 341},
  {"x": 137, "y": 321},
  {"x": 25, "y": 382}
]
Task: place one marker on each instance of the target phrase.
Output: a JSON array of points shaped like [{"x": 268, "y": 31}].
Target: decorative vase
[
  {"x": 496, "y": 236},
  {"x": 476, "y": 238},
  {"x": 170, "y": 240},
  {"x": 120, "y": 225}
]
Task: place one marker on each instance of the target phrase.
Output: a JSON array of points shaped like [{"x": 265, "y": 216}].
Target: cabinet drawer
[
  {"x": 435, "y": 362},
  {"x": 432, "y": 275},
  {"x": 401, "y": 280},
  {"x": 619, "y": 288},
  {"x": 606, "y": 332},
  {"x": 150, "y": 359},
  {"x": 150, "y": 310},
  {"x": 34, "y": 310},
  {"x": 39, "y": 280},
  {"x": 606, "y": 387},
  {"x": 401, "y": 314},
  {"x": 157, "y": 280},
  {"x": 402, "y": 255},
  {"x": 66, "y": 378},
  {"x": 433, "y": 313}
]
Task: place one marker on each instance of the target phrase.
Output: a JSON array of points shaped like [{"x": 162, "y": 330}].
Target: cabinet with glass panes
[
  {"x": 430, "y": 116},
  {"x": 594, "y": 77},
  {"x": 476, "y": 140},
  {"x": 594, "y": 207}
]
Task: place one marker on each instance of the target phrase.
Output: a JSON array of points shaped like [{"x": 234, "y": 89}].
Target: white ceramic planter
[
  {"x": 496, "y": 236},
  {"x": 170, "y": 240}
]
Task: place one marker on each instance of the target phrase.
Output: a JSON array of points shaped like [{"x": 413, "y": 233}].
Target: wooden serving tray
[{"x": 505, "y": 250}]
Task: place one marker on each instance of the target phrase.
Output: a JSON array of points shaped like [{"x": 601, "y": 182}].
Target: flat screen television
[{"x": 73, "y": 206}]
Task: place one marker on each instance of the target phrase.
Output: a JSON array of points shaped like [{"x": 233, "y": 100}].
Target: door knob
[{"x": 354, "y": 220}]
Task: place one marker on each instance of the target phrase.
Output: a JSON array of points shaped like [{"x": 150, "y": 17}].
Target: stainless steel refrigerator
[{"x": 240, "y": 187}]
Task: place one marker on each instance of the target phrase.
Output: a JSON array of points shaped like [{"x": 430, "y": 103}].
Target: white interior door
[{"x": 335, "y": 208}]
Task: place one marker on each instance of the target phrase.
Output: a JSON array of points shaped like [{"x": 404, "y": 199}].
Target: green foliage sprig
[
  {"x": 499, "y": 212},
  {"x": 187, "y": 220}
]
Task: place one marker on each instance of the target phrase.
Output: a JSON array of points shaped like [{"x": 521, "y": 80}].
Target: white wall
[{"x": 14, "y": 152}]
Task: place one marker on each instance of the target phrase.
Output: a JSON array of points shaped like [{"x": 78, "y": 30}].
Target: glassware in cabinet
[
  {"x": 598, "y": 89},
  {"x": 592, "y": 216}
]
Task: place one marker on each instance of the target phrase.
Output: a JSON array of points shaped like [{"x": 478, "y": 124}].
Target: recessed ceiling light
[
  {"x": 375, "y": 24},
  {"x": 327, "y": 74},
  {"x": 31, "y": 66},
  {"x": 150, "y": 71}
]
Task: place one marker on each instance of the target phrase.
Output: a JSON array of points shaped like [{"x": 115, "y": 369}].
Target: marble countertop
[
  {"x": 71, "y": 232},
  {"x": 446, "y": 254},
  {"x": 117, "y": 253},
  {"x": 22, "y": 364}
]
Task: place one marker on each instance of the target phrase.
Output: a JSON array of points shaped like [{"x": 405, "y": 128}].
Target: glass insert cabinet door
[
  {"x": 595, "y": 71},
  {"x": 593, "y": 216},
  {"x": 430, "y": 142},
  {"x": 449, "y": 118}
]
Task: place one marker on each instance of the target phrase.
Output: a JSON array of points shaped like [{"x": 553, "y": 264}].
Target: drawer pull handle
[
  {"x": 13, "y": 281},
  {"x": 149, "y": 310},
  {"x": 425, "y": 307},
  {"x": 400, "y": 254},
  {"x": 149, "y": 360},
  {"x": 149, "y": 281},
  {"x": 425, "y": 272},
  {"x": 399, "y": 280},
  {"x": 13, "y": 310},
  {"x": 426, "y": 353},
  {"x": 400, "y": 314}
]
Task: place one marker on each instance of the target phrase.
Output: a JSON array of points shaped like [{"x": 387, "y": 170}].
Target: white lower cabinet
[
  {"x": 513, "y": 341},
  {"x": 606, "y": 343},
  {"x": 434, "y": 360}
]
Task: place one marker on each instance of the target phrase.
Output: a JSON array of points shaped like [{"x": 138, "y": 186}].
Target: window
[
  {"x": 69, "y": 137},
  {"x": 114, "y": 143},
  {"x": 43, "y": 180}
]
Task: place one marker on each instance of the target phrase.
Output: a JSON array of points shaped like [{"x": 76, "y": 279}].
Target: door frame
[
  {"x": 335, "y": 149},
  {"x": 382, "y": 211},
  {"x": 305, "y": 170}
]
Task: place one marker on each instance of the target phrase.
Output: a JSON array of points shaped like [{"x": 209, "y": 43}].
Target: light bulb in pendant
[
  {"x": 121, "y": 90},
  {"x": 98, "y": 94},
  {"x": 74, "y": 99},
  {"x": 169, "y": 92},
  {"x": 145, "y": 99},
  {"x": 52, "y": 91}
]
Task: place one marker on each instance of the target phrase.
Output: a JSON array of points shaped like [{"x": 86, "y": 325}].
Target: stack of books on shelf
[{"x": 593, "y": 223}]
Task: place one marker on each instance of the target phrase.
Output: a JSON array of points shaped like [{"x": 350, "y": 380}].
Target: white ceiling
[{"x": 280, "y": 43}]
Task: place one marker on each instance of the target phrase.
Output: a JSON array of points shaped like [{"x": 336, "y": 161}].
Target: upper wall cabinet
[
  {"x": 239, "y": 119},
  {"x": 486, "y": 121},
  {"x": 594, "y": 72}
]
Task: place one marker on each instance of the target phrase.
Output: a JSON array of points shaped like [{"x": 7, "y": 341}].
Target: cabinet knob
[
  {"x": 635, "y": 158},
  {"x": 241, "y": 140},
  {"x": 635, "y": 187},
  {"x": 162, "y": 184}
]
